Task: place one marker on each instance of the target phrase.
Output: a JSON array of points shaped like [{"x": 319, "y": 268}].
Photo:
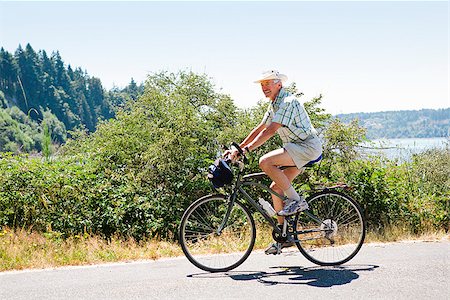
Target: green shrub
[
  {"x": 135, "y": 175},
  {"x": 412, "y": 194}
]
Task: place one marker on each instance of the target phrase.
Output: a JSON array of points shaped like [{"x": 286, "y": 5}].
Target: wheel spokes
[
  {"x": 341, "y": 230},
  {"x": 210, "y": 249}
]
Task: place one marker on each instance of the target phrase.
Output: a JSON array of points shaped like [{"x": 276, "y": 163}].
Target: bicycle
[{"x": 217, "y": 232}]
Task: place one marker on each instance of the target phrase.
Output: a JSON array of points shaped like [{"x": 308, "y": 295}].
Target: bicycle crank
[
  {"x": 278, "y": 237},
  {"x": 287, "y": 229}
]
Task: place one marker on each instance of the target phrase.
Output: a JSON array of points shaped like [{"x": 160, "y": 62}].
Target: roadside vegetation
[
  {"x": 118, "y": 193},
  {"x": 24, "y": 249}
]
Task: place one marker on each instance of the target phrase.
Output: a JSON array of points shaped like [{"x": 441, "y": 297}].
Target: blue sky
[{"x": 362, "y": 56}]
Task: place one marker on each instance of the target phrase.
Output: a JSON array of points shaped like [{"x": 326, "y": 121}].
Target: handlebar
[
  {"x": 234, "y": 144},
  {"x": 241, "y": 152}
]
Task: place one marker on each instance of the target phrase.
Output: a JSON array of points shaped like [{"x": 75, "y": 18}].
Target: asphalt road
[{"x": 407, "y": 270}]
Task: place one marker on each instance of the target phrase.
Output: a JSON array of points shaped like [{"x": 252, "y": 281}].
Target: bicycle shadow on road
[{"x": 312, "y": 276}]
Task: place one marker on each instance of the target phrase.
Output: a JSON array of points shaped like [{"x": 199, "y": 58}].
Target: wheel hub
[{"x": 329, "y": 227}]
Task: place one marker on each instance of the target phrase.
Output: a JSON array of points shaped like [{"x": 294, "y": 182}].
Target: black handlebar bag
[{"x": 220, "y": 173}]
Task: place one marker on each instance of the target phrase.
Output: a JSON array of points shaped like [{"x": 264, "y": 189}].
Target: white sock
[{"x": 291, "y": 193}]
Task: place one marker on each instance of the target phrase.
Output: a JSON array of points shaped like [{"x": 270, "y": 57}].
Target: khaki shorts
[{"x": 304, "y": 151}]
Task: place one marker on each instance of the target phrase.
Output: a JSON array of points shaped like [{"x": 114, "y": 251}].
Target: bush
[
  {"x": 413, "y": 195},
  {"x": 156, "y": 151},
  {"x": 137, "y": 173}
]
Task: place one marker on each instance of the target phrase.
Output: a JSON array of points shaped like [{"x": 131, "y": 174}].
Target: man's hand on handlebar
[{"x": 234, "y": 153}]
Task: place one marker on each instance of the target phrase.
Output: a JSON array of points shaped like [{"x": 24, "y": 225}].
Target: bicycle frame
[{"x": 238, "y": 187}]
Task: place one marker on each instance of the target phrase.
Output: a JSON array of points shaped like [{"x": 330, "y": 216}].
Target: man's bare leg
[{"x": 282, "y": 179}]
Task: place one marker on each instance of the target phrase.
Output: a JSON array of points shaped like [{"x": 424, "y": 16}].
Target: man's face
[{"x": 270, "y": 88}]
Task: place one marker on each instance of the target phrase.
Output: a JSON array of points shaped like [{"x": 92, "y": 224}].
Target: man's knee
[{"x": 264, "y": 162}]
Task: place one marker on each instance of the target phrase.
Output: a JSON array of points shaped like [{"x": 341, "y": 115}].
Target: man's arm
[
  {"x": 252, "y": 135},
  {"x": 264, "y": 134}
]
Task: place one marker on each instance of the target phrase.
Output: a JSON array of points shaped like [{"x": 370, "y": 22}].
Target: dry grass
[
  {"x": 396, "y": 234},
  {"x": 25, "y": 250}
]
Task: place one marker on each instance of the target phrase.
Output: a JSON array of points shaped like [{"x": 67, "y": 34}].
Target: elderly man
[{"x": 286, "y": 116}]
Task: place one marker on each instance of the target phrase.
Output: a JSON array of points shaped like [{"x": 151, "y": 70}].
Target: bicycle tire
[
  {"x": 340, "y": 235},
  {"x": 205, "y": 248}
]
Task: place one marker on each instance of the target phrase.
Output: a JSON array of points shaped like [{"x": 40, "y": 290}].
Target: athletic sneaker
[
  {"x": 276, "y": 247},
  {"x": 293, "y": 207}
]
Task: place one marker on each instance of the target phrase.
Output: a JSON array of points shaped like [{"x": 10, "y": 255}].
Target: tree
[
  {"x": 22, "y": 62},
  {"x": 133, "y": 90},
  {"x": 3, "y": 103},
  {"x": 158, "y": 147},
  {"x": 8, "y": 74},
  {"x": 33, "y": 81},
  {"x": 48, "y": 84},
  {"x": 99, "y": 106},
  {"x": 61, "y": 78}
]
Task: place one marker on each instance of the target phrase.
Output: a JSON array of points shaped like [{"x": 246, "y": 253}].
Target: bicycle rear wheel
[
  {"x": 205, "y": 246},
  {"x": 337, "y": 235}
]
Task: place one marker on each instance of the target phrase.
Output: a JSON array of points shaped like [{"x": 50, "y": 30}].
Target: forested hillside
[
  {"x": 403, "y": 124},
  {"x": 35, "y": 86},
  {"x": 40, "y": 91}
]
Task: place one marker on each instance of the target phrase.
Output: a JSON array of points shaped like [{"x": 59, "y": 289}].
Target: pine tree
[
  {"x": 29, "y": 74},
  {"x": 62, "y": 80},
  {"x": 70, "y": 73},
  {"x": 8, "y": 74},
  {"x": 132, "y": 89},
  {"x": 47, "y": 80}
]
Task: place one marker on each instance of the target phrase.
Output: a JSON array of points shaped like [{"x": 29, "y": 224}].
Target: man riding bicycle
[{"x": 286, "y": 116}]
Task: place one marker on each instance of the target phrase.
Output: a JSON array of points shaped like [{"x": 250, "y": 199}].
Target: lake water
[{"x": 403, "y": 149}]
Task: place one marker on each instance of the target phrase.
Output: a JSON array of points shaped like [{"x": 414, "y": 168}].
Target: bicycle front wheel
[
  {"x": 332, "y": 231},
  {"x": 208, "y": 242}
]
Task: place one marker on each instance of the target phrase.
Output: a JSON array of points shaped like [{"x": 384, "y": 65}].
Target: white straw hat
[{"x": 270, "y": 75}]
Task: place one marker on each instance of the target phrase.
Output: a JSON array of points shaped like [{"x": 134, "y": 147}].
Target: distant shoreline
[
  {"x": 413, "y": 124},
  {"x": 389, "y": 111},
  {"x": 403, "y": 148}
]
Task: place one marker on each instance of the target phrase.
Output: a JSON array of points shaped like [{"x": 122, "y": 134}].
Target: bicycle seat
[
  {"x": 313, "y": 161},
  {"x": 309, "y": 164}
]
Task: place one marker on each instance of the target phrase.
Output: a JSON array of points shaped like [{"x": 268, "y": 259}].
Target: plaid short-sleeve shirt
[{"x": 289, "y": 112}]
